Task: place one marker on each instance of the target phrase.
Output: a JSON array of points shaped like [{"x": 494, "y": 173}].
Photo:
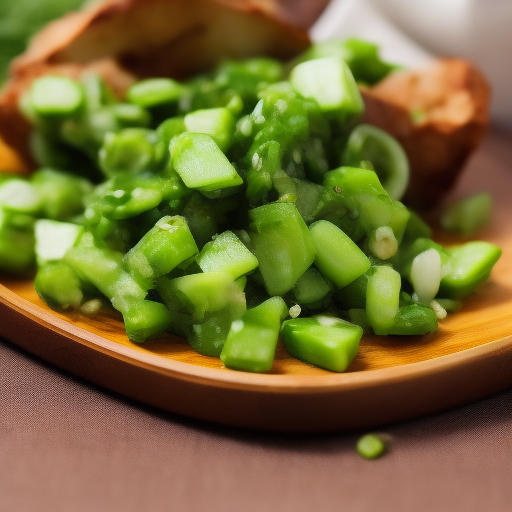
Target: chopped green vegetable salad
[{"x": 240, "y": 206}]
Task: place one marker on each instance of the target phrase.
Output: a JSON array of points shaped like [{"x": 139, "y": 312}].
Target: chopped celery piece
[
  {"x": 201, "y": 164},
  {"x": 226, "y": 253},
  {"x": 337, "y": 256},
  {"x": 382, "y": 299},
  {"x": 330, "y": 82},
  {"x": 252, "y": 339},
  {"x": 203, "y": 307},
  {"x": 154, "y": 92},
  {"x": 323, "y": 341},
  {"x": 470, "y": 264},
  {"x": 219, "y": 123},
  {"x": 146, "y": 321},
  {"x": 54, "y": 239},
  {"x": 467, "y": 215},
  {"x": 282, "y": 244},
  {"x": 55, "y": 96},
  {"x": 161, "y": 249},
  {"x": 414, "y": 319},
  {"x": 58, "y": 285},
  {"x": 311, "y": 287},
  {"x": 16, "y": 242}
]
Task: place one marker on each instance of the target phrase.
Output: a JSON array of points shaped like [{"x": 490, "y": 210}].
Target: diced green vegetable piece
[
  {"x": 20, "y": 196},
  {"x": 467, "y": 215},
  {"x": 170, "y": 128},
  {"x": 337, "y": 256},
  {"x": 52, "y": 96},
  {"x": 371, "y": 446},
  {"x": 330, "y": 82},
  {"x": 58, "y": 285},
  {"x": 201, "y": 164},
  {"x": 62, "y": 194},
  {"x": 323, "y": 341},
  {"x": 54, "y": 239},
  {"x": 363, "y": 195},
  {"x": 226, "y": 253},
  {"x": 219, "y": 123},
  {"x": 132, "y": 150},
  {"x": 282, "y": 244},
  {"x": 470, "y": 265},
  {"x": 362, "y": 57},
  {"x": 146, "y": 321},
  {"x": 102, "y": 268},
  {"x": 203, "y": 307},
  {"x": 311, "y": 287},
  {"x": 161, "y": 249},
  {"x": 382, "y": 299},
  {"x": 252, "y": 340},
  {"x": 387, "y": 156},
  {"x": 155, "y": 91},
  {"x": 130, "y": 116},
  {"x": 414, "y": 319},
  {"x": 16, "y": 242}
]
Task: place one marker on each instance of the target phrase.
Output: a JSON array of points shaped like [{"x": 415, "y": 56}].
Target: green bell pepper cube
[
  {"x": 226, "y": 253},
  {"x": 382, "y": 299},
  {"x": 202, "y": 165},
  {"x": 219, "y": 123},
  {"x": 470, "y": 265},
  {"x": 161, "y": 249},
  {"x": 323, "y": 341},
  {"x": 146, "y": 321},
  {"x": 330, "y": 82},
  {"x": 337, "y": 256},
  {"x": 282, "y": 244},
  {"x": 252, "y": 340}
]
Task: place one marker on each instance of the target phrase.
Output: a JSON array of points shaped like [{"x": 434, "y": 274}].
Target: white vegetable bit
[
  {"x": 438, "y": 309},
  {"x": 384, "y": 245},
  {"x": 294, "y": 311},
  {"x": 426, "y": 275}
]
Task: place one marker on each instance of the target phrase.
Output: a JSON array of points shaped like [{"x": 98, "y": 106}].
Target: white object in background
[
  {"x": 477, "y": 30},
  {"x": 358, "y": 18}
]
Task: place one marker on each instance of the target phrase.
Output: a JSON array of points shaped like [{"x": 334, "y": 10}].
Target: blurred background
[{"x": 409, "y": 31}]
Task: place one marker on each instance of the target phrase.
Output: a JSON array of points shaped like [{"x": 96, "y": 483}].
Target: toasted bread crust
[{"x": 451, "y": 101}]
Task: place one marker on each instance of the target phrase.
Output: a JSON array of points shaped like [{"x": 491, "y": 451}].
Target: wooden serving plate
[{"x": 393, "y": 378}]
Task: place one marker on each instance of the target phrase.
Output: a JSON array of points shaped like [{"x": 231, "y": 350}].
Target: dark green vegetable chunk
[{"x": 467, "y": 215}]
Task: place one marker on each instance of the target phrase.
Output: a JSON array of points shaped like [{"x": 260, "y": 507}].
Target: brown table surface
[{"x": 66, "y": 445}]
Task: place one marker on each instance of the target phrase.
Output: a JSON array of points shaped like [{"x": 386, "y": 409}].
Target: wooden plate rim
[{"x": 287, "y": 384}]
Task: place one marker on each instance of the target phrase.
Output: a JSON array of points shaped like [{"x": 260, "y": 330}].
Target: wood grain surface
[{"x": 392, "y": 377}]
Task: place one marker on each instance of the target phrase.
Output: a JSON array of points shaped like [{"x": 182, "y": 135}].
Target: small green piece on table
[{"x": 371, "y": 446}]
